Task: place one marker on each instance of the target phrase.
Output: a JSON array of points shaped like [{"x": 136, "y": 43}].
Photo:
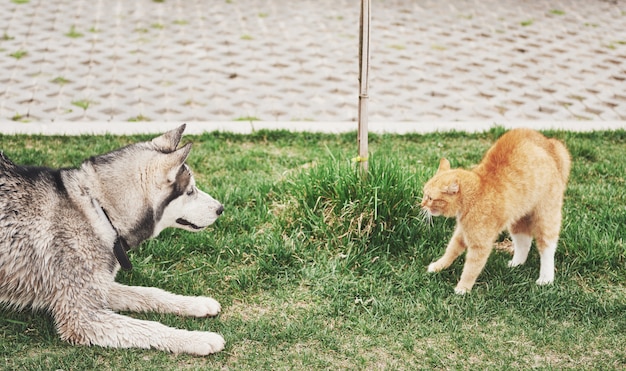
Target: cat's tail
[{"x": 562, "y": 158}]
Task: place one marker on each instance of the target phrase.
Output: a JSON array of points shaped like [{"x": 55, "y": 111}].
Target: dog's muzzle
[{"x": 187, "y": 223}]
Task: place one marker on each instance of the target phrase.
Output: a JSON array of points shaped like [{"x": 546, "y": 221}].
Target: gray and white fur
[{"x": 58, "y": 228}]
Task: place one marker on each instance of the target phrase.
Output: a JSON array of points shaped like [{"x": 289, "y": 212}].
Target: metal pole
[{"x": 364, "y": 56}]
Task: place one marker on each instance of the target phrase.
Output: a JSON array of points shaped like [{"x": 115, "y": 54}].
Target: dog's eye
[{"x": 190, "y": 192}]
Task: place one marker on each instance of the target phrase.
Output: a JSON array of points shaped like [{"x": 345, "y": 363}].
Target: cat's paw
[
  {"x": 434, "y": 267},
  {"x": 463, "y": 287},
  {"x": 514, "y": 263},
  {"x": 518, "y": 259},
  {"x": 542, "y": 281}
]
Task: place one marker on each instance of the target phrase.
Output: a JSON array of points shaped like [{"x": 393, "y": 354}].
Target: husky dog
[{"x": 64, "y": 235}]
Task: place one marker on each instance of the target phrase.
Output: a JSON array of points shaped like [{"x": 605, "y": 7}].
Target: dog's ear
[
  {"x": 169, "y": 141},
  {"x": 175, "y": 160}
]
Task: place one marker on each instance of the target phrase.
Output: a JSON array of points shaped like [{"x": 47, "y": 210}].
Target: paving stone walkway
[{"x": 297, "y": 60}]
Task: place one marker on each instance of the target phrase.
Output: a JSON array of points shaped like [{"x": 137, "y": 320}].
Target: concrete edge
[{"x": 244, "y": 127}]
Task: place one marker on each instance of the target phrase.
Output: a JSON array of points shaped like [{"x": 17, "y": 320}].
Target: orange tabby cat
[{"x": 519, "y": 185}]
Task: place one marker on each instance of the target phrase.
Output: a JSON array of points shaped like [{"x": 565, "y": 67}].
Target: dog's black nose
[{"x": 220, "y": 210}]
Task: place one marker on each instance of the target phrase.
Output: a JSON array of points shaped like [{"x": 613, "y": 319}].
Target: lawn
[{"x": 319, "y": 268}]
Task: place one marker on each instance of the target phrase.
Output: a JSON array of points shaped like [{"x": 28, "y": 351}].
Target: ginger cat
[{"x": 518, "y": 185}]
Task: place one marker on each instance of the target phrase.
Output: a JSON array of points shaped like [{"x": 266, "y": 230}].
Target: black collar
[{"x": 120, "y": 247}]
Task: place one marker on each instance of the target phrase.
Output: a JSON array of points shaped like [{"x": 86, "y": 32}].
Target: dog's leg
[
  {"x": 108, "y": 329},
  {"x": 151, "y": 299}
]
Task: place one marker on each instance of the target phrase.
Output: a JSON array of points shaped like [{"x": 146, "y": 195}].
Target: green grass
[
  {"x": 73, "y": 33},
  {"x": 318, "y": 268},
  {"x": 247, "y": 118},
  {"x": 82, "y": 103},
  {"x": 138, "y": 118},
  {"x": 19, "y": 54},
  {"x": 60, "y": 80},
  {"x": 527, "y": 22}
]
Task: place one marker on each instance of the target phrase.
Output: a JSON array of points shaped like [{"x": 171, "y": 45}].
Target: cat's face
[{"x": 441, "y": 192}]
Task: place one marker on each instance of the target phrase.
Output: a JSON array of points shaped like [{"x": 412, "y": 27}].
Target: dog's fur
[{"x": 58, "y": 229}]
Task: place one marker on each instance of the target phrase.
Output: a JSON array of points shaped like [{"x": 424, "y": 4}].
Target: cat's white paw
[
  {"x": 544, "y": 280},
  {"x": 518, "y": 259},
  {"x": 461, "y": 290},
  {"x": 203, "y": 307},
  {"x": 514, "y": 263},
  {"x": 434, "y": 267}
]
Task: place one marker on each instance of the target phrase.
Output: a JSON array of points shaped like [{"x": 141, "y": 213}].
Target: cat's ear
[
  {"x": 444, "y": 165},
  {"x": 452, "y": 188}
]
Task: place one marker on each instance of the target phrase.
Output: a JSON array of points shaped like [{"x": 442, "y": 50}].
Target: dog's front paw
[
  {"x": 461, "y": 290},
  {"x": 203, "y": 307},
  {"x": 203, "y": 343}
]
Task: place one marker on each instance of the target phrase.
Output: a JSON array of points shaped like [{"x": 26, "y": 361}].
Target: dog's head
[
  {"x": 148, "y": 187},
  {"x": 186, "y": 206}
]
